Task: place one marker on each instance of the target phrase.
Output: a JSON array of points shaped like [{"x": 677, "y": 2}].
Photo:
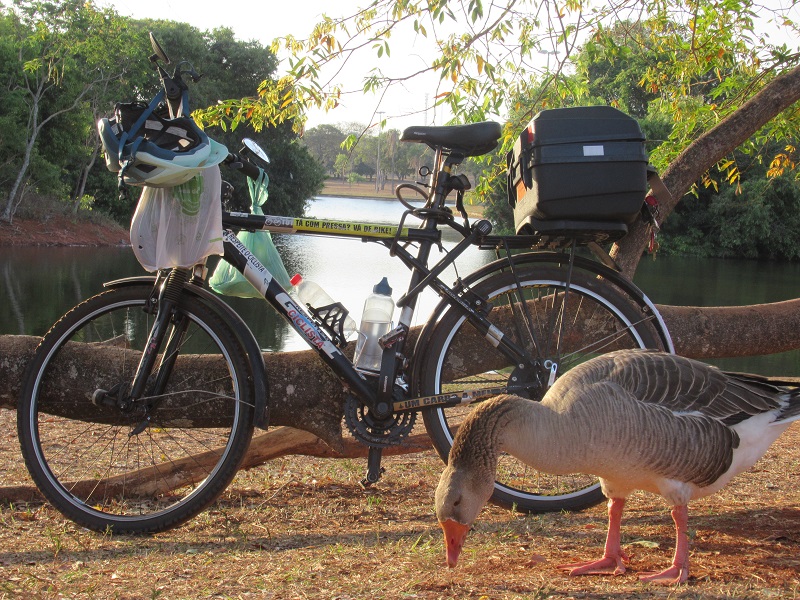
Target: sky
[{"x": 264, "y": 23}]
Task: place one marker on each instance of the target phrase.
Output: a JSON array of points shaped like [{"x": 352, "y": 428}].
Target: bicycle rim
[
  {"x": 131, "y": 469},
  {"x": 562, "y": 327}
]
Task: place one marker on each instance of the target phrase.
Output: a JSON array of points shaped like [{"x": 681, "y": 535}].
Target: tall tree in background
[
  {"x": 64, "y": 65},
  {"x": 61, "y": 64},
  {"x": 12, "y": 138},
  {"x": 325, "y": 144}
]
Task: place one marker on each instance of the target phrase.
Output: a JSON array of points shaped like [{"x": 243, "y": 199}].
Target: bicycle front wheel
[
  {"x": 558, "y": 325},
  {"x": 147, "y": 465}
]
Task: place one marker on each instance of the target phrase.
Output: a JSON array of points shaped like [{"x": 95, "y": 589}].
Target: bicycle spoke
[
  {"x": 115, "y": 464},
  {"x": 568, "y": 328}
]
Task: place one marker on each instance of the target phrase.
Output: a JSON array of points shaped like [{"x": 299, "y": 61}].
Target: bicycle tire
[
  {"x": 89, "y": 461},
  {"x": 595, "y": 309}
]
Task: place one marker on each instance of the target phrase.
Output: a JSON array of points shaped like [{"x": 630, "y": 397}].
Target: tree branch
[
  {"x": 707, "y": 150},
  {"x": 275, "y": 443}
]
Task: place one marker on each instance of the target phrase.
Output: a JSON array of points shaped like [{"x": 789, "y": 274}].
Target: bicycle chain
[{"x": 374, "y": 432}]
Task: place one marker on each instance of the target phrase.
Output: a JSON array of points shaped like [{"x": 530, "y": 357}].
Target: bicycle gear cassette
[{"x": 375, "y": 432}]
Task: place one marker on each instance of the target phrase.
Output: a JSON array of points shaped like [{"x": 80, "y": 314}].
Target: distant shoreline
[
  {"x": 343, "y": 189},
  {"x": 67, "y": 230}
]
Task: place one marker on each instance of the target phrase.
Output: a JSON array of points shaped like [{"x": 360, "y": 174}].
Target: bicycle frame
[
  {"x": 302, "y": 322},
  {"x": 450, "y": 151}
]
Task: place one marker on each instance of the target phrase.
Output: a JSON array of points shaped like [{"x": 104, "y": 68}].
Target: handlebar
[{"x": 235, "y": 161}]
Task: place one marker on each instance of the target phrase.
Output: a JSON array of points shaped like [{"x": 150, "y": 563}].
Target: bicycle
[{"x": 182, "y": 380}]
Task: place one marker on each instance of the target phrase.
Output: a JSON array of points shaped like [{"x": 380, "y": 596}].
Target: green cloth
[{"x": 227, "y": 280}]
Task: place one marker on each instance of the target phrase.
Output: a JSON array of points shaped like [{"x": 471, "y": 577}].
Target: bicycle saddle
[{"x": 472, "y": 139}]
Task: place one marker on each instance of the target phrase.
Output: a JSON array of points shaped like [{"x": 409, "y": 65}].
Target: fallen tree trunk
[
  {"x": 307, "y": 397},
  {"x": 304, "y": 394},
  {"x": 729, "y": 331}
]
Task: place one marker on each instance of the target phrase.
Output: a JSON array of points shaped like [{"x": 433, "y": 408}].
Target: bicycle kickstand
[{"x": 374, "y": 468}]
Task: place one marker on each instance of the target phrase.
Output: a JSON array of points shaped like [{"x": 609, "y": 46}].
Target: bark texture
[
  {"x": 728, "y": 331},
  {"x": 708, "y": 149}
]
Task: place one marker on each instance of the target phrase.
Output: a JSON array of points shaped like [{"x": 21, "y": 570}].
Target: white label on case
[{"x": 593, "y": 151}]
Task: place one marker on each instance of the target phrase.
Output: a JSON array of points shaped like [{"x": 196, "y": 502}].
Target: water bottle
[
  {"x": 310, "y": 293},
  {"x": 375, "y": 322}
]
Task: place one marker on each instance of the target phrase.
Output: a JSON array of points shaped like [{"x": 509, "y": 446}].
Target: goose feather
[{"x": 639, "y": 420}]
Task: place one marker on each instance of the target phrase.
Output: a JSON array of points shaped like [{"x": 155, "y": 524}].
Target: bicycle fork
[{"x": 166, "y": 323}]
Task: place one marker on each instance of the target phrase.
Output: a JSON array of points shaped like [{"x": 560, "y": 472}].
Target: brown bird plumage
[{"x": 638, "y": 420}]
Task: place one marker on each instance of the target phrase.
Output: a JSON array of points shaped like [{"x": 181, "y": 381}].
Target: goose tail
[
  {"x": 790, "y": 408},
  {"x": 785, "y": 393}
]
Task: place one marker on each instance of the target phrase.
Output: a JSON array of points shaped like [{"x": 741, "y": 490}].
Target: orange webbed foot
[
  {"x": 608, "y": 565},
  {"x": 671, "y": 576}
]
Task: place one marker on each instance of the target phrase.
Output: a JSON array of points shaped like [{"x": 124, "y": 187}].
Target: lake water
[{"x": 37, "y": 285}]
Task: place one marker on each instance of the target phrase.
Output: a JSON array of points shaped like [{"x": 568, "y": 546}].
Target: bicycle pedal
[
  {"x": 390, "y": 339},
  {"x": 371, "y": 478}
]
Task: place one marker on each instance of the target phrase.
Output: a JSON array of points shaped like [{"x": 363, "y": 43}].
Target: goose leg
[
  {"x": 613, "y": 556},
  {"x": 679, "y": 571}
]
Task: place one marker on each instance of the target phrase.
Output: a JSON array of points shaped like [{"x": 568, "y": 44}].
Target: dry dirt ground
[
  {"x": 302, "y": 527},
  {"x": 61, "y": 231}
]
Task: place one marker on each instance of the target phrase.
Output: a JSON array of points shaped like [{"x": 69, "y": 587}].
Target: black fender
[
  {"x": 257, "y": 368},
  {"x": 549, "y": 258}
]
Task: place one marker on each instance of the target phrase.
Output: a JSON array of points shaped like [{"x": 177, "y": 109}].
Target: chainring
[{"x": 374, "y": 432}]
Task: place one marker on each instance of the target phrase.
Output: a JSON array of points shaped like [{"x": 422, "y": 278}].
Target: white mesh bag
[{"x": 179, "y": 226}]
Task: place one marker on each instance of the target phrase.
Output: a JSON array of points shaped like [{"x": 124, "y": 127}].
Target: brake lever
[{"x": 193, "y": 74}]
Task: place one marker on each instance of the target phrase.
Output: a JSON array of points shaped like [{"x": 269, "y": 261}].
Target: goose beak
[{"x": 454, "y": 536}]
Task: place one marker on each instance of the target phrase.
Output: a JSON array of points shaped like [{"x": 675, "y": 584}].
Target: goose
[{"x": 638, "y": 420}]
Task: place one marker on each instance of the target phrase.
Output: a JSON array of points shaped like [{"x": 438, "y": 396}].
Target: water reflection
[
  {"x": 39, "y": 284},
  {"x": 690, "y": 281}
]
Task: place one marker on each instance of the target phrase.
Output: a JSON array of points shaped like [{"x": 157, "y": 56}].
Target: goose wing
[{"x": 683, "y": 385}]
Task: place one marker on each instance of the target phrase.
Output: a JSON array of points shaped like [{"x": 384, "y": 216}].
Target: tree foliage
[
  {"x": 488, "y": 56},
  {"x": 760, "y": 219},
  {"x": 64, "y": 64},
  {"x": 689, "y": 63},
  {"x": 57, "y": 67}
]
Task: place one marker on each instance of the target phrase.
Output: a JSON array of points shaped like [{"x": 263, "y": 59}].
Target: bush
[{"x": 761, "y": 220}]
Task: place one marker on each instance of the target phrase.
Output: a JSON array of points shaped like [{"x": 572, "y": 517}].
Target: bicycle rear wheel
[
  {"x": 157, "y": 462},
  {"x": 561, "y": 327}
]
